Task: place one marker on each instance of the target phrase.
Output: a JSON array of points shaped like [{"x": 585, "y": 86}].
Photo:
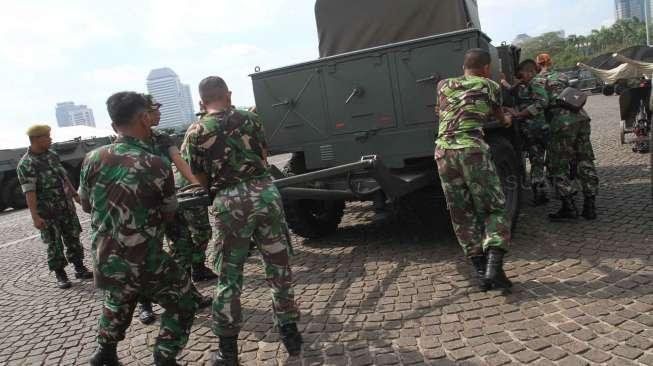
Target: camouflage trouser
[
  {"x": 570, "y": 142},
  {"x": 189, "y": 236},
  {"x": 535, "y": 140},
  {"x": 169, "y": 286},
  {"x": 245, "y": 212},
  {"x": 200, "y": 230},
  {"x": 62, "y": 229},
  {"x": 475, "y": 199}
]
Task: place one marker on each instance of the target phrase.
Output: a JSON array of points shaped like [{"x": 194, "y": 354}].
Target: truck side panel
[{"x": 377, "y": 101}]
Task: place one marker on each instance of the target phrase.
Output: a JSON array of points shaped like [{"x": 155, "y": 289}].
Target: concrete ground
[{"x": 583, "y": 291}]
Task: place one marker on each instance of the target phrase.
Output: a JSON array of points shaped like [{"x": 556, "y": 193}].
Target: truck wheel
[
  {"x": 608, "y": 90},
  {"x": 313, "y": 219},
  {"x": 508, "y": 168},
  {"x": 12, "y": 195},
  {"x": 310, "y": 219}
]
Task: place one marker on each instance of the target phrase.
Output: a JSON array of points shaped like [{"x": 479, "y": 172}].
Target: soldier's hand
[
  {"x": 39, "y": 223},
  {"x": 507, "y": 121}
]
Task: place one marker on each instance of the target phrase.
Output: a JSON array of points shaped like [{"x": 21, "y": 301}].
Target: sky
[{"x": 83, "y": 51}]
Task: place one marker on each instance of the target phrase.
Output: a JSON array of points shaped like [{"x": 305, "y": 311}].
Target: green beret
[{"x": 38, "y": 130}]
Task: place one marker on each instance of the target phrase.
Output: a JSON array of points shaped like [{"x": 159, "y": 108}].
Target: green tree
[{"x": 578, "y": 48}]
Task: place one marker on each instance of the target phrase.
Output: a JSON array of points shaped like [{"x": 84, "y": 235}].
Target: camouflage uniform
[
  {"x": 469, "y": 179},
  {"x": 228, "y": 147},
  {"x": 535, "y": 129},
  {"x": 570, "y": 139},
  {"x": 129, "y": 189},
  {"x": 44, "y": 174},
  {"x": 190, "y": 233}
]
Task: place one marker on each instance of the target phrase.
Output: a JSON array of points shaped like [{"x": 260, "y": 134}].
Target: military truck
[
  {"x": 360, "y": 122},
  {"x": 72, "y": 154}
]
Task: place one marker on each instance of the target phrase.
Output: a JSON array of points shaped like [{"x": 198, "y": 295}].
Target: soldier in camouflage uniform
[
  {"x": 533, "y": 125},
  {"x": 469, "y": 178},
  {"x": 129, "y": 191},
  {"x": 227, "y": 152},
  {"x": 50, "y": 195},
  {"x": 570, "y": 142},
  {"x": 191, "y": 253},
  {"x": 185, "y": 244}
]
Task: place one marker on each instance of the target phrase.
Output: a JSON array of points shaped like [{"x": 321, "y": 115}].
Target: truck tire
[
  {"x": 608, "y": 90},
  {"x": 313, "y": 219},
  {"x": 12, "y": 195},
  {"x": 510, "y": 172},
  {"x": 310, "y": 219}
]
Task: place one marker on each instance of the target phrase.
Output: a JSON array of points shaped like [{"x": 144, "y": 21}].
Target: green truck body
[{"x": 361, "y": 125}]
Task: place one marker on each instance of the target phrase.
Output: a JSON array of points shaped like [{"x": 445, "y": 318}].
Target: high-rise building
[
  {"x": 69, "y": 114},
  {"x": 175, "y": 98},
  {"x": 629, "y": 9}
]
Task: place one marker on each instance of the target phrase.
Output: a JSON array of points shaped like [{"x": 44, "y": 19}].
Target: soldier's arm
[
  {"x": 260, "y": 136},
  {"x": 169, "y": 202},
  {"x": 27, "y": 178},
  {"x": 195, "y": 157},
  {"x": 39, "y": 223},
  {"x": 541, "y": 101},
  {"x": 83, "y": 191},
  {"x": 183, "y": 167},
  {"x": 496, "y": 103}
]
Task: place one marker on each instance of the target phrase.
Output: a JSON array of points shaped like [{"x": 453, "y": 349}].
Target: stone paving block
[{"x": 583, "y": 294}]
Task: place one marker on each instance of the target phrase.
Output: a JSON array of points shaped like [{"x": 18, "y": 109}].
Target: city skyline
[
  {"x": 69, "y": 114},
  {"x": 176, "y": 100},
  {"x": 631, "y": 9},
  {"x": 116, "y": 50}
]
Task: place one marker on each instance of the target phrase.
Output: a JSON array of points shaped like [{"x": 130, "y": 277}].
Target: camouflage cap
[{"x": 38, "y": 130}]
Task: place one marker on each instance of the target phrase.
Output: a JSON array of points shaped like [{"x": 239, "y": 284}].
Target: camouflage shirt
[
  {"x": 546, "y": 88},
  {"x": 163, "y": 145},
  {"x": 464, "y": 105},
  {"x": 228, "y": 147},
  {"x": 44, "y": 174},
  {"x": 533, "y": 97},
  {"x": 128, "y": 187}
]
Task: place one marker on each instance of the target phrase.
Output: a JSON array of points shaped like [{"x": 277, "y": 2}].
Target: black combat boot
[
  {"x": 105, "y": 355},
  {"x": 62, "y": 278},
  {"x": 589, "y": 208},
  {"x": 539, "y": 194},
  {"x": 146, "y": 314},
  {"x": 81, "y": 271},
  {"x": 291, "y": 338},
  {"x": 494, "y": 271},
  {"x": 161, "y": 360},
  {"x": 227, "y": 354},
  {"x": 567, "y": 210},
  {"x": 201, "y": 273},
  {"x": 479, "y": 262}
]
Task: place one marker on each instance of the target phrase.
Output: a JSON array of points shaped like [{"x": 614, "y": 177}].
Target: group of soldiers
[
  {"x": 557, "y": 139},
  {"x": 129, "y": 187},
  {"x": 130, "y": 190}
]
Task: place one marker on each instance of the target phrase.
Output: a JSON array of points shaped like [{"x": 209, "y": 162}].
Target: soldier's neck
[
  {"x": 217, "y": 107},
  {"x": 477, "y": 73},
  {"x": 37, "y": 150}
]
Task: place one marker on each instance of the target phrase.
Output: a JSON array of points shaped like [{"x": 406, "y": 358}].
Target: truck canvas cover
[{"x": 350, "y": 25}]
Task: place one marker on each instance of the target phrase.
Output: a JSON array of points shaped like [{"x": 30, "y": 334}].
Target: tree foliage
[{"x": 567, "y": 52}]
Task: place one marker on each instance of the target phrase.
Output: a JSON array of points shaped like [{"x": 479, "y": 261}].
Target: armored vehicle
[
  {"x": 360, "y": 122},
  {"x": 72, "y": 154}
]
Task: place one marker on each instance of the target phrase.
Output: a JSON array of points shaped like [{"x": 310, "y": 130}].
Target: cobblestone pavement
[{"x": 583, "y": 291}]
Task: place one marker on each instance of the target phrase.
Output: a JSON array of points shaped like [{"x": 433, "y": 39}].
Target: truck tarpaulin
[{"x": 350, "y": 25}]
